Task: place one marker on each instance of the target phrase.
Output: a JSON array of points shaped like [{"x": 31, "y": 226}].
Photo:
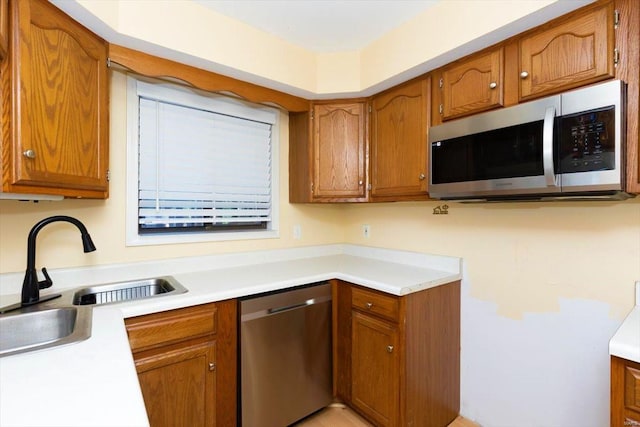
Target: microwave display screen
[
  {"x": 587, "y": 141},
  {"x": 514, "y": 151}
]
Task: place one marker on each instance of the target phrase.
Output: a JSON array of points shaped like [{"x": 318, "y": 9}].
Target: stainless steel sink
[
  {"x": 127, "y": 291},
  {"x": 37, "y": 329}
]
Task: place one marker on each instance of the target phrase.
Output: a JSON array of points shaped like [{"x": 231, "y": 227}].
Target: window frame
[{"x": 137, "y": 86}]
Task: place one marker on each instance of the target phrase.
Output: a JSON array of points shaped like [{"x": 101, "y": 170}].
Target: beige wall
[
  {"x": 195, "y": 32},
  {"x": 524, "y": 257},
  {"x": 59, "y": 245}
]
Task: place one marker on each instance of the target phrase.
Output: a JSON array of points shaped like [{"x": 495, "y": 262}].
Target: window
[{"x": 200, "y": 167}]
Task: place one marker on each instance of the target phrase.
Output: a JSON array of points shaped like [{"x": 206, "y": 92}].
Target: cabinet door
[
  {"x": 625, "y": 392},
  {"x": 179, "y": 385},
  {"x": 473, "y": 85},
  {"x": 60, "y": 102},
  {"x": 375, "y": 369},
  {"x": 339, "y": 150},
  {"x": 567, "y": 55},
  {"x": 399, "y": 123}
]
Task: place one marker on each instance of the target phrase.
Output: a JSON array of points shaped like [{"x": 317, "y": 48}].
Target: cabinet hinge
[
  {"x": 369, "y": 108},
  {"x": 441, "y": 109},
  {"x": 369, "y": 187},
  {"x": 108, "y": 62},
  {"x": 440, "y": 83},
  {"x": 616, "y": 18},
  {"x": 312, "y": 187},
  {"x": 108, "y": 175},
  {"x": 311, "y": 114},
  {"x": 616, "y": 57}
]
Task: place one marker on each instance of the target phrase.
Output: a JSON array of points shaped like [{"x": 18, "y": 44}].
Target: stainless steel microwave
[{"x": 563, "y": 146}]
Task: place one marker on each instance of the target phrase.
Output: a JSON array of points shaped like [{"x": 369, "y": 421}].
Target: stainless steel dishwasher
[{"x": 285, "y": 352}]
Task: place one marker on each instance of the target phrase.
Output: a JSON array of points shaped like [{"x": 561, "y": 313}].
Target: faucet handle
[{"x": 47, "y": 282}]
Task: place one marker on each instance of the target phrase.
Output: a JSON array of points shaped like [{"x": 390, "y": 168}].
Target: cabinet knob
[
  {"x": 493, "y": 85},
  {"x": 360, "y": 182},
  {"x": 524, "y": 75},
  {"x": 422, "y": 177},
  {"x": 212, "y": 366},
  {"x": 29, "y": 154},
  {"x": 389, "y": 349},
  {"x": 369, "y": 305}
]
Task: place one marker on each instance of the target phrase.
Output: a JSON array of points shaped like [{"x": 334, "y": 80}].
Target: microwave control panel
[{"x": 587, "y": 141}]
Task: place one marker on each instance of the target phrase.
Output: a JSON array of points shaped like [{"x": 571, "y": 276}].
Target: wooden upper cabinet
[
  {"x": 328, "y": 153},
  {"x": 472, "y": 85},
  {"x": 339, "y": 150},
  {"x": 4, "y": 28},
  {"x": 574, "y": 52},
  {"x": 58, "y": 105},
  {"x": 399, "y": 123}
]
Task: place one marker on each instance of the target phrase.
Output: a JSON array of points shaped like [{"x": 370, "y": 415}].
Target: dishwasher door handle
[
  {"x": 282, "y": 309},
  {"x": 290, "y": 307},
  {"x": 310, "y": 301}
]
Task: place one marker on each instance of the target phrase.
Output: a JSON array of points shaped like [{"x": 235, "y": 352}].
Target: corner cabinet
[
  {"x": 625, "y": 392},
  {"x": 328, "y": 153},
  {"x": 398, "y": 358},
  {"x": 55, "y": 130},
  {"x": 186, "y": 364},
  {"x": 399, "y": 124}
]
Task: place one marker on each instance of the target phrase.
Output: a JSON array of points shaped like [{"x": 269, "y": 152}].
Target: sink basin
[
  {"x": 127, "y": 291},
  {"x": 38, "y": 329}
]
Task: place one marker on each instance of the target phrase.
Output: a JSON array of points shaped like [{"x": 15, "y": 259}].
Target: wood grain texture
[
  {"x": 173, "y": 351},
  {"x": 4, "y": 28},
  {"x": 628, "y": 70},
  {"x": 342, "y": 306},
  {"x": 58, "y": 105},
  {"x": 339, "y": 151},
  {"x": 467, "y": 84},
  {"x": 427, "y": 327},
  {"x": 398, "y": 146},
  {"x": 625, "y": 392},
  {"x": 171, "y": 326},
  {"x": 432, "y": 356},
  {"x": 378, "y": 303},
  {"x": 153, "y": 66},
  {"x": 375, "y": 365},
  {"x": 227, "y": 364},
  {"x": 568, "y": 53},
  {"x": 300, "y": 163},
  {"x": 177, "y": 385}
]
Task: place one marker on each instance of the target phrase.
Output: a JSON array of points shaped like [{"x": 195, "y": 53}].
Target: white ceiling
[{"x": 322, "y": 25}]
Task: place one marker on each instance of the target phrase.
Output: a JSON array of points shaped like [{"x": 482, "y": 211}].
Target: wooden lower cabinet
[
  {"x": 186, "y": 362},
  {"x": 398, "y": 358},
  {"x": 625, "y": 392},
  {"x": 375, "y": 372}
]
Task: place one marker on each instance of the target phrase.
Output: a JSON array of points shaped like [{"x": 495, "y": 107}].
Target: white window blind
[{"x": 202, "y": 169}]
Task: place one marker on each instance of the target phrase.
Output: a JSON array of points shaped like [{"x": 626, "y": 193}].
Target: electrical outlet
[
  {"x": 366, "y": 231},
  {"x": 297, "y": 232}
]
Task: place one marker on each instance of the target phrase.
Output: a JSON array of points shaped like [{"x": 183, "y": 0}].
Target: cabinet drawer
[
  {"x": 376, "y": 303},
  {"x": 168, "y": 327}
]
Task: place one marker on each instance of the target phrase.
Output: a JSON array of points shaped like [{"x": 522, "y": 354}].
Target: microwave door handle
[{"x": 547, "y": 147}]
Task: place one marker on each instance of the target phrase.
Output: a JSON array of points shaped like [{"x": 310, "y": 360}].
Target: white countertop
[
  {"x": 94, "y": 383},
  {"x": 626, "y": 341}
]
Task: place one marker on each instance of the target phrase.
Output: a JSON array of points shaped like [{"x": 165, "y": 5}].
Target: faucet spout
[{"x": 31, "y": 285}]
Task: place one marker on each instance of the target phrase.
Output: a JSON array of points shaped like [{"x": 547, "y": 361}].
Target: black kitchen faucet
[{"x": 31, "y": 285}]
